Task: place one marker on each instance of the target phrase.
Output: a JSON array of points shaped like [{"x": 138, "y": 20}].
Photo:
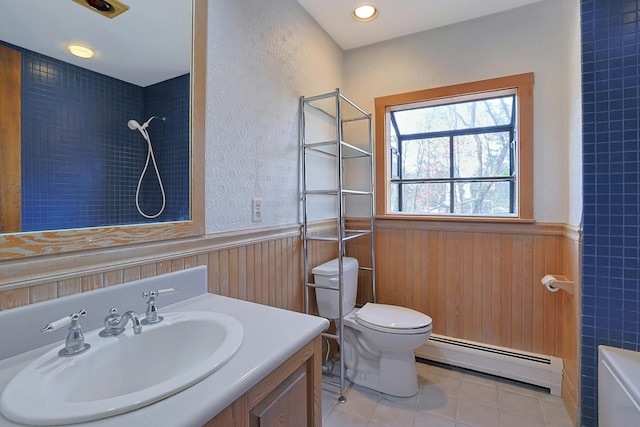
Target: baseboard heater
[{"x": 530, "y": 368}]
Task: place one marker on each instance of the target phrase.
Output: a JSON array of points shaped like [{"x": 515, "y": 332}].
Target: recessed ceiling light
[
  {"x": 101, "y": 5},
  {"x": 365, "y": 13},
  {"x": 80, "y": 51},
  {"x": 110, "y": 9}
]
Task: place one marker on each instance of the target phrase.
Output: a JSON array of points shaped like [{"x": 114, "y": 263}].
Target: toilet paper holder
[{"x": 555, "y": 282}]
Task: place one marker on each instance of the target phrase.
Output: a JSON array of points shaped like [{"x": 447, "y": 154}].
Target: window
[
  {"x": 456, "y": 157},
  {"x": 458, "y": 151}
]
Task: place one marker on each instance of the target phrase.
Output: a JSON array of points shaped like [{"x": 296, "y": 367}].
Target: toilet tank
[
  {"x": 326, "y": 275},
  {"x": 618, "y": 387}
]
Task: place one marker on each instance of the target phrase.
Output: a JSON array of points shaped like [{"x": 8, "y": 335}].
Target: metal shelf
[
  {"x": 349, "y": 151},
  {"x": 349, "y": 122},
  {"x": 336, "y": 192},
  {"x": 333, "y": 237},
  {"x": 337, "y": 106}
]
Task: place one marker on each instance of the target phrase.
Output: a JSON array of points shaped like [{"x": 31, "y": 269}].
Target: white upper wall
[
  {"x": 539, "y": 38},
  {"x": 262, "y": 56},
  {"x": 574, "y": 126}
]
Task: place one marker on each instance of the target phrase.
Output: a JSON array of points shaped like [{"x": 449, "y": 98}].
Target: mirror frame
[{"x": 17, "y": 246}]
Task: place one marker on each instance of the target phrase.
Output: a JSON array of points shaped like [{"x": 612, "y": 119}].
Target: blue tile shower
[
  {"x": 611, "y": 190},
  {"x": 170, "y": 99},
  {"x": 80, "y": 161}
]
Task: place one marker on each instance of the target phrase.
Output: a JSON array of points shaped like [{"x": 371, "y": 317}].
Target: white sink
[{"x": 122, "y": 373}]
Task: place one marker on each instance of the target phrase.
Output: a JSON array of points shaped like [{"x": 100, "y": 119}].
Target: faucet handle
[
  {"x": 159, "y": 292},
  {"x": 112, "y": 317},
  {"x": 73, "y": 317},
  {"x": 151, "y": 315},
  {"x": 74, "y": 344}
]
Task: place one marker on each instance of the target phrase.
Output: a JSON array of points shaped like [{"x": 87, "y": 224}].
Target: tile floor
[{"x": 447, "y": 398}]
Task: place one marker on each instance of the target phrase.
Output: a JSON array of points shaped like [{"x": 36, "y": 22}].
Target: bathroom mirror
[{"x": 176, "y": 86}]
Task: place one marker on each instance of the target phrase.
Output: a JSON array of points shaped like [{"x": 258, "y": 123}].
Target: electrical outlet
[{"x": 256, "y": 210}]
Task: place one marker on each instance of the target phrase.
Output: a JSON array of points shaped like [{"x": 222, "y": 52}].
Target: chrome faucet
[
  {"x": 152, "y": 315},
  {"x": 114, "y": 323},
  {"x": 74, "y": 344}
]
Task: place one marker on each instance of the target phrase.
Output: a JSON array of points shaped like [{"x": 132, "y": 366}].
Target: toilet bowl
[{"x": 379, "y": 339}]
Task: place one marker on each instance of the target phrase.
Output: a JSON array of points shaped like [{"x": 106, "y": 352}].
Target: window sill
[
  {"x": 473, "y": 225},
  {"x": 461, "y": 219}
]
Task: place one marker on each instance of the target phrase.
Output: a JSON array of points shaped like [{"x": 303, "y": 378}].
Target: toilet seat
[{"x": 393, "y": 319}]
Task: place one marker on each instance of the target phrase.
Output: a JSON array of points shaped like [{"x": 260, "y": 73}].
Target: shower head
[{"x": 133, "y": 125}]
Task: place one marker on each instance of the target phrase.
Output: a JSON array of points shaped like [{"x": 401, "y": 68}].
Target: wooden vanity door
[
  {"x": 290, "y": 396},
  {"x": 285, "y": 406}
]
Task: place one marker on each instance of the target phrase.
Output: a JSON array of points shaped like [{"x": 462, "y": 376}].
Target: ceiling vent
[{"x": 110, "y": 9}]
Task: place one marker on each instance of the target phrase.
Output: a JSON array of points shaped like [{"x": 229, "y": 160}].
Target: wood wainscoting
[
  {"x": 477, "y": 285},
  {"x": 262, "y": 265},
  {"x": 481, "y": 282},
  {"x": 569, "y": 314},
  {"x": 259, "y": 265}
]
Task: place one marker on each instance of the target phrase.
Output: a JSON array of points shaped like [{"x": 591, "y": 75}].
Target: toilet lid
[
  {"x": 331, "y": 268},
  {"x": 391, "y": 318}
]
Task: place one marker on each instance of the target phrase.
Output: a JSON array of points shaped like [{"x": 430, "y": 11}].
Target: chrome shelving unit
[{"x": 334, "y": 113}]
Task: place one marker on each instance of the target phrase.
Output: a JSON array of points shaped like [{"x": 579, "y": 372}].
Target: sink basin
[{"x": 123, "y": 373}]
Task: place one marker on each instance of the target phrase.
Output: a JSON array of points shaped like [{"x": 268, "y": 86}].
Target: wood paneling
[
  {"x": 15, "y": 298},
  {"x": 69, "y": 287},
  {"x": 481, "y": 286},
  {"x": 10, "y": 141},
  {"x": 266, "y": 272},
  {"x": 150, "y": 258},
  {"x": 43, "y": 292},
  {"x": 479, "y": 282},
  {"x": 568, "y": 313}
]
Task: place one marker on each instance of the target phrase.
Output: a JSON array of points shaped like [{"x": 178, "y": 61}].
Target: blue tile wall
[
  {"x": 74, "y": 121},
  {"x": 77, "y": 152},
  {"x": 170, "y": 141},
  {"x": 611, "y": 154}
]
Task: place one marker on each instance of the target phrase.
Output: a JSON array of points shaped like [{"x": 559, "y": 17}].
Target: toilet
[{"x": 379, "y": 339}]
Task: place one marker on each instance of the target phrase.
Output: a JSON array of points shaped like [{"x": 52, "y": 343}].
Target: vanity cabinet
[{"x": 291, "y": 395}]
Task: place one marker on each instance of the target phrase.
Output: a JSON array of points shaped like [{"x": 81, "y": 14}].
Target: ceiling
[
  {"x": 397, "y": 18},
  {"x": 149, "y": 43}
]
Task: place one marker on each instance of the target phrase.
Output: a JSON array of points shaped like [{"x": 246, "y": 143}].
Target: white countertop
[{"x": 271, "y": 335}]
